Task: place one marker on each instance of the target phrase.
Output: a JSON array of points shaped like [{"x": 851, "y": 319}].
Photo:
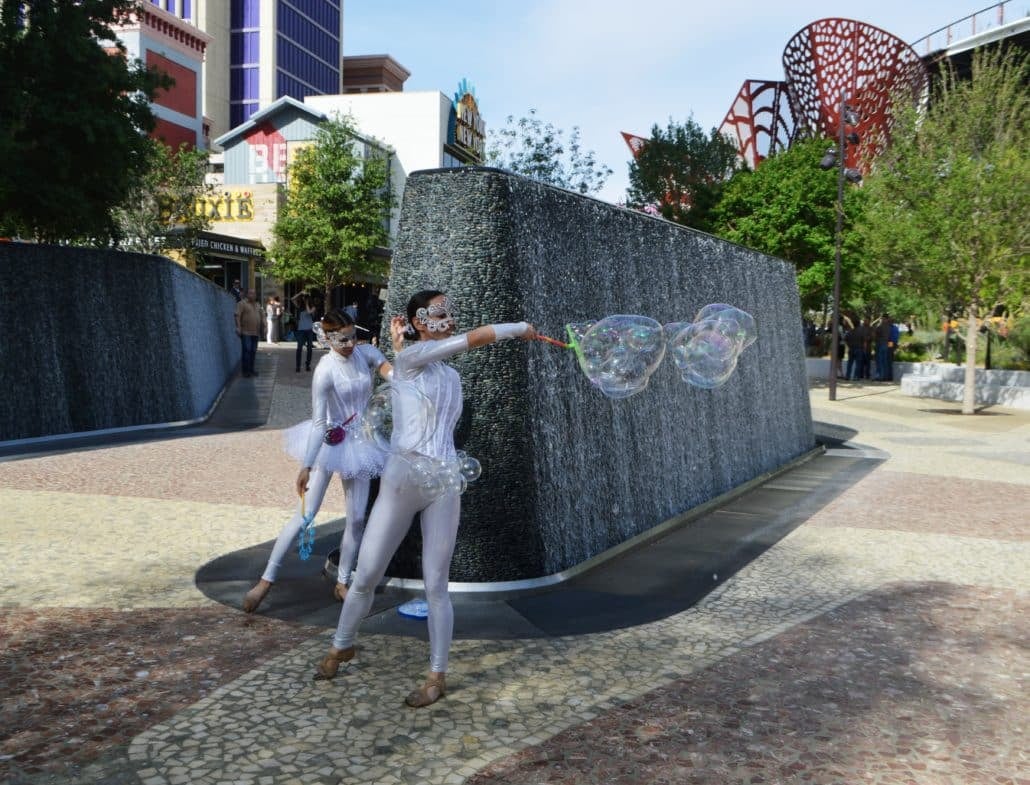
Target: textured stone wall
[
  {"x": 98, "y": 339},
  {"x": 568, "y": 473}
]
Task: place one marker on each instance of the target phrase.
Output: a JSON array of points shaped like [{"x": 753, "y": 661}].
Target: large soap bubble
[
  {"x": 733, "y": 322},
  {"x": 706, "y": 350},
  {"x": 619, "y": 353},
  {"x": 398, "y": 418}
]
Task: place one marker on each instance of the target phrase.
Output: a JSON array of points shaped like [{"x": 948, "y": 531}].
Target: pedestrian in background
[
  {"x": 271, "y": 334},
  {"x": 304, "y": 331},
  {"x": 248, "y": 325},
  {"x": 857, "y": 341},
  {"x": 885, "y": 337}
]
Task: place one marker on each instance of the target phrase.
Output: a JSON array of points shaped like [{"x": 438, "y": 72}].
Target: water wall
[
  {"x": 98, "y": 339},
  {"x": 568, "y": 473}
]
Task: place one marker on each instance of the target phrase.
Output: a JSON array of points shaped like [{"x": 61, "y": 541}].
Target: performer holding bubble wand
[
  {"x": 340, "y": 386},
  {"x": 403, "y": 487}
]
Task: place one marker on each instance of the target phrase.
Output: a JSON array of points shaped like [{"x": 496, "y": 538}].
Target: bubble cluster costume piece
[
  {"x": 340, "y": 386},
  {"x": 399, "y": 499}
]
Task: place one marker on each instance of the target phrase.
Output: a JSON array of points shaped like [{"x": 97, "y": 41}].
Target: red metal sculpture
[
  {"x": 832, "y": 57},
  {"x": 760, "y": 120}
]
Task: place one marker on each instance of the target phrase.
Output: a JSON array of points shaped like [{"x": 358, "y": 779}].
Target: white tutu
[{"x": 353, "y": 457}]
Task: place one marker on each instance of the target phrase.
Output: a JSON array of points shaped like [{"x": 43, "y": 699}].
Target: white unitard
[
  {"x": 398, "y": 501},
  {"x": 340, "y": 387}
]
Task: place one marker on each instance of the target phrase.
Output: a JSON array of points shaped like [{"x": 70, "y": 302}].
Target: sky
[{"x": 607, "y": 66}]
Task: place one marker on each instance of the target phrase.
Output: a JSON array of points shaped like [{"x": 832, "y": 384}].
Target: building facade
[
  {"x": 425, "y": 129},
  {"x": 262, "y": 50},
  {"x": 161, "y": 39}
]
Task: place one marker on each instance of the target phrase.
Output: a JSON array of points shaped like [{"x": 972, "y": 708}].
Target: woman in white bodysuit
[
  {"x": 421, "y": 363},
  {"x": 340, "y": 387}
]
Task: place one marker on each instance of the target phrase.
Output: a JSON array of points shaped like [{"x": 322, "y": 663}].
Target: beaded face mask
[
  {"x": 334, "y": 339},
  {"x": 438, "y": 317}
]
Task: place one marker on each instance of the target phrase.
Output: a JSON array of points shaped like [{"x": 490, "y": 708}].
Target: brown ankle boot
[
  {"x": 330, "y": 663},
  {"x": 340, "y": 591},
  {"x": 253, "y": 598},
  {"x": 430, "y": 692}
]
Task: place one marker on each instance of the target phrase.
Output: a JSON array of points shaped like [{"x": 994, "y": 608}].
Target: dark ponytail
[{"x": 336, "y": 320}]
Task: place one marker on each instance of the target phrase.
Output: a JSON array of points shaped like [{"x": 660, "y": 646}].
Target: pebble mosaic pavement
[{"x": 883, "y": 641}]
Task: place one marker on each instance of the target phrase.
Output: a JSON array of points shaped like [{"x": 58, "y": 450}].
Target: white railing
[{"x": 967, "y": 26}]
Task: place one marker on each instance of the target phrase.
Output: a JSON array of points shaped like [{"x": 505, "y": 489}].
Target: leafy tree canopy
[
  {"x": 540, "y": 151},
  {"x": 949, "y": 198},
  {"x": 681, "y": 170},
  {"x": 787, "y": 208},
  {"x": 165, "y": 198},
  {"x": 337, "y": 210},
  {"x": 74, "y": 118}
]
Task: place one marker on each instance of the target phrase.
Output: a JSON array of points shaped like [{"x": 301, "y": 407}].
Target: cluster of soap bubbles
[
  {"x": 619, "y": 354},
  {"x": 706, "y": 350},
  {"x": 400, "y": 419},
  {"x": 434, "y": 477}
]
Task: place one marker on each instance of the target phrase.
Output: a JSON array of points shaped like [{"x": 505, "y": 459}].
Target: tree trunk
[{"x": 969, "y": 390}]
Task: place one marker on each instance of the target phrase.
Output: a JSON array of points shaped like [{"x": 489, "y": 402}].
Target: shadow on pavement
[{"x": 654, "y": 581}]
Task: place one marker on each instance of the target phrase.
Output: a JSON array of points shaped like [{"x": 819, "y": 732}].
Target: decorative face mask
[
  {"x": 341, "y": 340},
  {"x": 336, "y": 339},
  {"x": 438, "y": 317}
]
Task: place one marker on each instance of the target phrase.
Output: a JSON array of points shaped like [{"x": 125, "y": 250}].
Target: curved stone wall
[
  {"x": 568, "y": 473},
  {"x": 97, "y": 339}
]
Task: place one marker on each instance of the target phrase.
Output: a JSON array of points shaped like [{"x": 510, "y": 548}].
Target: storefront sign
[
  {"x": 226, "y": 206},
  {"x": 225, "y": 246},
  {"x": 266, "y": 155},
  {"x": 216, "y": 207},
  {"x": 469, "y": 128}
]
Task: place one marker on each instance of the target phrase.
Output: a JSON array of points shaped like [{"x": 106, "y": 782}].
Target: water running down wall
[
  {"x": 96, "y": 339},
  {"x": 568, "y": 473}
]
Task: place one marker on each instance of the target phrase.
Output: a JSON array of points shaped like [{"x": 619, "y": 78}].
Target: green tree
[
  {"x": 164, "y": 200},
  {"x": 786, "y": 208},
  {"x": 538, "y": 150},
  {"x": 73, "y": 119},
  {"x": 948, "y": 200},
  {"x": 336, "y": 210},
  {"x": 681, "y": 170}
]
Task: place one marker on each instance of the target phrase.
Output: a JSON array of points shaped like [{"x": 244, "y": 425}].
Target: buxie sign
[{"x": 218, "y": 207}]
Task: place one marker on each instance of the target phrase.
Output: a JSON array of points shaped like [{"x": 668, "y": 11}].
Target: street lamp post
[{"x": 838, "y": 157}]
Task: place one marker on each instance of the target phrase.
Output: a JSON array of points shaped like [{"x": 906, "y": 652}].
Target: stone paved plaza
[{"x": 882, "y": 641}]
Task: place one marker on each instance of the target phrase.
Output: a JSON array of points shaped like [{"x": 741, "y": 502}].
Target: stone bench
[{"x": 946, "y": 381}]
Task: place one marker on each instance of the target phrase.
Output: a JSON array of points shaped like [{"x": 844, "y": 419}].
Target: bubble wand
[
  {"x": 307, "y": 532},
  {"x": 554, "y": 341}
]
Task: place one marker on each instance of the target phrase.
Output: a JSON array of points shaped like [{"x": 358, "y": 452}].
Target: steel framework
[
  {"x": 832, "y": 57},
  {"x": 760, "y": 120}
]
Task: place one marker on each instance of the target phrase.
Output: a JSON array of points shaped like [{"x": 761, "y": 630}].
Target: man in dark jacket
[
  {"x": 857, "y": 341},
  {"x": 884, "y": 349}
]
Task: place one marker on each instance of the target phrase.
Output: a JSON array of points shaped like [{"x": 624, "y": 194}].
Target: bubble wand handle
[
  {"x": 574, "y": 342},
  {"x": 553, "y": 341}
]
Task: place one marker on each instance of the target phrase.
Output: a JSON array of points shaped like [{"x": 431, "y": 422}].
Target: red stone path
[
  {"x": 79, "y": 682},
  {"x": 915, "y": 683}
]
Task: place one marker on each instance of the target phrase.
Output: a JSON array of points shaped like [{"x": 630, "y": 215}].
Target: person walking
[
  {"x": 304, "y": 331},
  {"x": 248, "y": 325},
  {"x": 271, "y": 322},
  {"x": 431, "y": 324}
]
